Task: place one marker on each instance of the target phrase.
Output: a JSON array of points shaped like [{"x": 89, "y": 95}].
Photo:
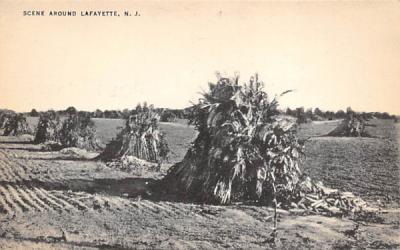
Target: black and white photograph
[{"x": 199, "y": 124}]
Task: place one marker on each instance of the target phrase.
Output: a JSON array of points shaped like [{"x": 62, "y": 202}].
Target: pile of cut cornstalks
[
  {"x": 331, "y": 201},
  {"x": 132, "y": 164}
]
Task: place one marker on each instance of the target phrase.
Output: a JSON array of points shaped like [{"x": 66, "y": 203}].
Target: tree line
[
  {"x": 170, "y": 115},
  {"x": 317, "y": 114},
  {"x": 166, "y": 114}
]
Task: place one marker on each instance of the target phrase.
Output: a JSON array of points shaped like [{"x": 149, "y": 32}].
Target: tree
[
  {"x": 126, "y": 113},
  {"x": 340, "y": 114},
  {"x": 309, "y": 114},
  {"x": 138, "y": 108},
  {"x": 290, "y": 112},
  {"x": 71, "y": 110},
  {"x": 301, "y": 115},
  {"x": 84, "y": 114},
  {"x": 318, "y": 112},
  {"x": 349, "y": 111},
  {"x": 329, "y": 115},
  {"x": 34, "y": 113},
  {"x": 167, "y": 116},
  {"x": 98, "y": 113}
]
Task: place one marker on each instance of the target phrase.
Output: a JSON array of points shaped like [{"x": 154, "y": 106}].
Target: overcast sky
[{"x": 334, "y": 54}]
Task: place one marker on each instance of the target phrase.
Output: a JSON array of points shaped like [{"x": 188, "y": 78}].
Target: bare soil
[
  {"x": 50, "y": 200},
  {"x": 367, "y": 166}
]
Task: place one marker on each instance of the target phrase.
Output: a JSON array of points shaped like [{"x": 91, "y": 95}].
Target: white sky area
[{"x": 334, "y": 55}]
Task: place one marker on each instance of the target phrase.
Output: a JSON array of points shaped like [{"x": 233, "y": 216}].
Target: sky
[{"x": 335, "y": 54}]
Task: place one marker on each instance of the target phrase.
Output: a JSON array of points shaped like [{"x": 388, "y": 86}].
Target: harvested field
[
  {"x": 51, "y": 200},
  {"x": 369, "y": 167}
]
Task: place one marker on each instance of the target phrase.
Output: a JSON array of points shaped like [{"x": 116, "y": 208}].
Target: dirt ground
[
  {"x": 369, "y": 167},
  {"x": 51, "y": 200}
]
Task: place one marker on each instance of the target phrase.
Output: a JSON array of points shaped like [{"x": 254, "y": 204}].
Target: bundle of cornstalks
[
  {"x": 353, "y": 126},
  {"x": 244, "y": 150},
  {"x": 78, "y": 131},
  {"x": 247, "y": 151},
  {"x": 4, "y": 117},
  {"x": 16, "y": 125},
  {"x": 140, "y": 138},
  {"x": 48, "y": 127}
]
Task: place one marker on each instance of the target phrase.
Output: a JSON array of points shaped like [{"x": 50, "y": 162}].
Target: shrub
[
  {"x": 167, "y": 116},
  {"x": 141, "y": 138},
  {"x": 16, "y": 124},
  {"x": 244, "y": 150}
]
